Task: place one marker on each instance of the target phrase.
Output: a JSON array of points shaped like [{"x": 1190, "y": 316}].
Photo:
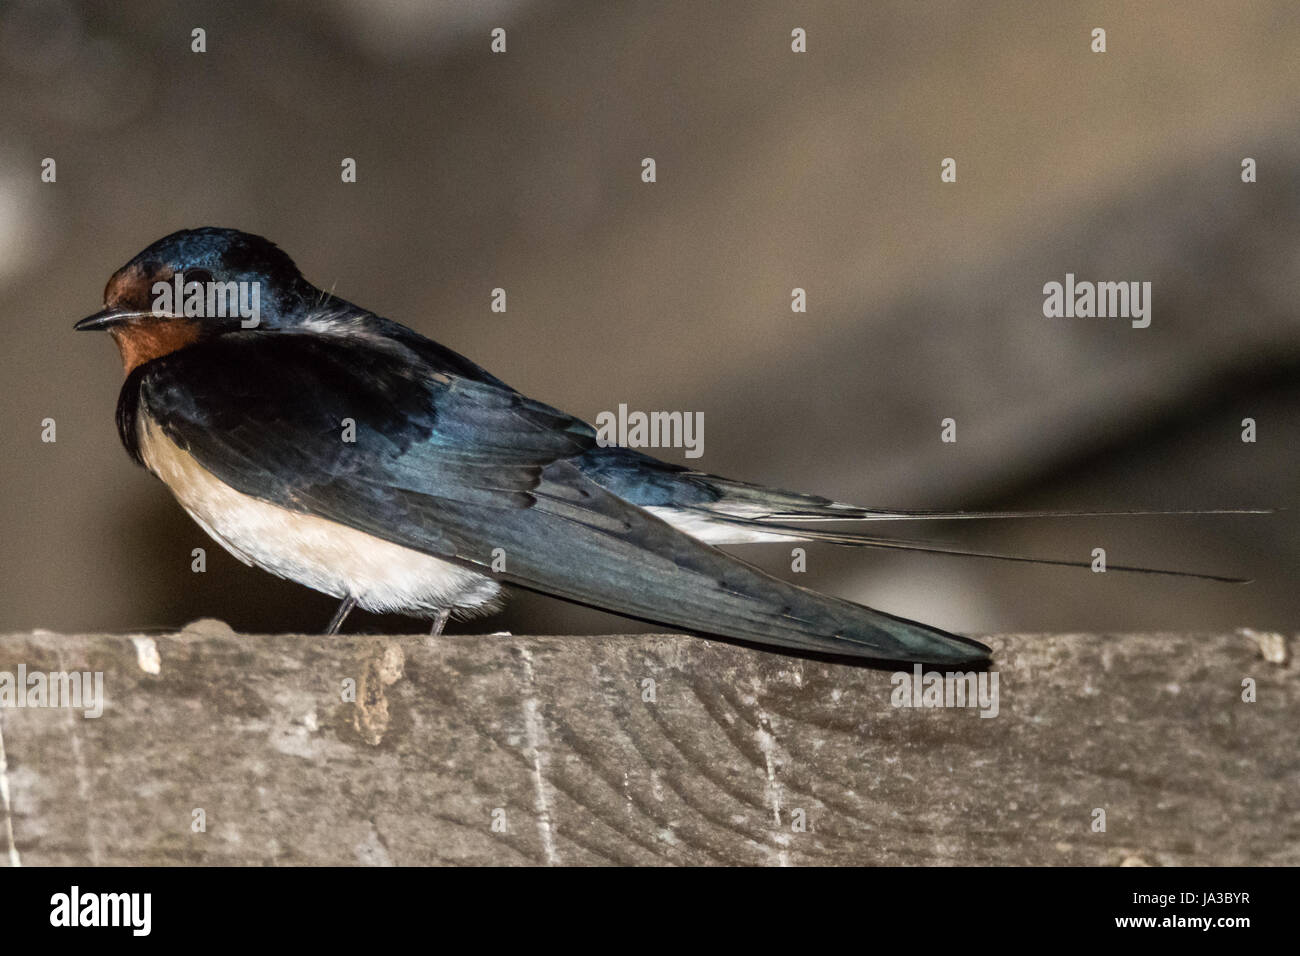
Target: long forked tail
[
  {"x": 856, "y": 540},
  {"x": 738, "y": 512},
  {"x": 839, "y": 512}
]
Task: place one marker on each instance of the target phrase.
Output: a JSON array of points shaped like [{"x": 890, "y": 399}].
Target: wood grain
[{"x": 554, "y": 736}]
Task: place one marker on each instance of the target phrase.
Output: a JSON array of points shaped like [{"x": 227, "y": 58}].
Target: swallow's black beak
[{"x": 105, "y": 319}]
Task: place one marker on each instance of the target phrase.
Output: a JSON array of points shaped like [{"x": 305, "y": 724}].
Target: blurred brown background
[{"x": 775, "y": 170}]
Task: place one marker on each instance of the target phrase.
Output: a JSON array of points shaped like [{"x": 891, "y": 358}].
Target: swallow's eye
[{"x": 197, "y": 275}]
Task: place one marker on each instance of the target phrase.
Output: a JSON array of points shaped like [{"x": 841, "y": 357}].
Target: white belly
[{"x": 318, "y": 553}]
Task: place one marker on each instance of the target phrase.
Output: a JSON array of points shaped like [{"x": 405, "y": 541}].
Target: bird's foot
[
  {"x": 340, "y": 615},
  {"x": 440, "y": 621}
]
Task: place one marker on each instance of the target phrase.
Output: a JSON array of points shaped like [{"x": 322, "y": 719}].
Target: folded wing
[{"x": 458, "y": 468}]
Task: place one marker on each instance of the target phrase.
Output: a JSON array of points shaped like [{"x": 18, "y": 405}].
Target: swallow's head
[{"x": 198, "y": 283}]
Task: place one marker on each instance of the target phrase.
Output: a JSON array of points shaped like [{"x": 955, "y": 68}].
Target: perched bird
[{"x": 330, "y": 446}]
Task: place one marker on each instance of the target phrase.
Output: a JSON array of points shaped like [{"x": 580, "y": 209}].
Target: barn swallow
[{"x": 336, "y": 448}]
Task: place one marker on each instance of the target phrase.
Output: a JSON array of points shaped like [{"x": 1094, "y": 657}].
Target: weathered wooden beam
[{"x": 578, "y": 758}]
